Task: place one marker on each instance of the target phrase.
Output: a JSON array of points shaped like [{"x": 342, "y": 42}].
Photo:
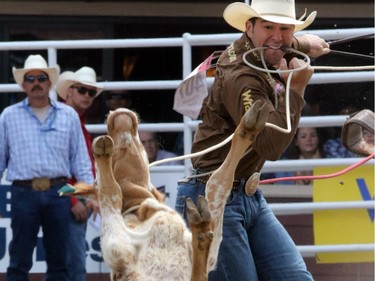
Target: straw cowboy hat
[
  {"x": 238, "y": 13},
  {"x": 35, "y": 62},
  {"x": 85, "y": 76}
]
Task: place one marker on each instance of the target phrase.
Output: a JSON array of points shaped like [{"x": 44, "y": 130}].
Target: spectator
[
  {"x": 78, "y": 90},
  {"x": 306, "y": 146},
  {"x": 152, "y": 147},
  {"x": 117, "y": 99},
  {"x": 41, "y": 145},
  {"x": 255, "y": 245}
]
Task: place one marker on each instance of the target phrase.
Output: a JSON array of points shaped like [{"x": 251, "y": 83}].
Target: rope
[
  {"x": 279, "y": 71},
  {"x": 319, "y": 177},
  {"x": 199, "y": 153},
  {"x": 343, "y": 68},
  {"x": 228, "y": 139},
  {"x": 287, "y": 92},
  {"x": 348, "y": 39}
]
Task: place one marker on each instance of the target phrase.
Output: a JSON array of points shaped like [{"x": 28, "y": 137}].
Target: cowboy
[
  {"x": 255, "y": 245},
  {"x": 41, "y": 146},
  {"x": 78, "y": 90}
]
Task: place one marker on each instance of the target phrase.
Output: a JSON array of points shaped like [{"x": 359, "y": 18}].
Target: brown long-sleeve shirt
[{"x": 236, "y": 87}]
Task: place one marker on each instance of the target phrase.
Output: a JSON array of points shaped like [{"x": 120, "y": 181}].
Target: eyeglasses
[
  {"x": 83, "y": 90},
  {"x": 32, "y": 78}
]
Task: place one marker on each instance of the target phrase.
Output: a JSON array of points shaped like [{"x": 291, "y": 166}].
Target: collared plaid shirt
[{"x": 31, "y": 149}]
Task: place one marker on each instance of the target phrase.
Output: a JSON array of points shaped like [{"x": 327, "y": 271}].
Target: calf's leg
[
  {"x": 117, "y": 249},
  {"x": 199, "y": 219},
  {"x": 220, "y": 183}
]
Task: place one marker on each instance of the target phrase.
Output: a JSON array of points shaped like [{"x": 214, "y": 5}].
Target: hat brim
[
  {"x": 52, "y": 72},
  {"x": 69, "y": 78},
  {"x": 237, "y": 14}
]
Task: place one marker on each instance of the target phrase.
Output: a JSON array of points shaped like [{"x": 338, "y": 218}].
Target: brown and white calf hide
[{"x": 142, "y": 239}]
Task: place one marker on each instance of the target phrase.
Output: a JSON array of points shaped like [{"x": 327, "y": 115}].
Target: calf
[{"x": 142, "y": 239}]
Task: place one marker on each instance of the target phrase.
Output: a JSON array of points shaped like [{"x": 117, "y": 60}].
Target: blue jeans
[
  {"x": 77, "y": 250},
  {"x": 30, "y": 210},
  {"x": 255, "y": 246}
]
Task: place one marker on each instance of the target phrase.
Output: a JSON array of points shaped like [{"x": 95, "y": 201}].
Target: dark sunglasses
[
  {"x": 32, "y": 78},
  {"x": 84, "y": 90}
]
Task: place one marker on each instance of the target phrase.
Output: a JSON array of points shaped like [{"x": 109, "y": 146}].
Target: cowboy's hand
[
  {"x": 93, "y": 206},
  {"x": 300, "y": 78},
  {"x": 318, "y": 46},
  {"x": 79, "y": 211}
]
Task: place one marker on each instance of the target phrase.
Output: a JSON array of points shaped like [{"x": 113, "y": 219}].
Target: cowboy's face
[
  {"x": 265, "y": 33},
  {"x": 36, "y": 84},
  {"x": 80, "y": 97}
]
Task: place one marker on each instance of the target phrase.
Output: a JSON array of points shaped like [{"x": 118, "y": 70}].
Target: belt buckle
[
  {"x": 249, "y": 186},
  {"x": 252, "y": 184},
  {"x": 40, "y": 184}
]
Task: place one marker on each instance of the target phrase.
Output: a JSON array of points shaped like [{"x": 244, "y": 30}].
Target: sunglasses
[
  {"x": 83, "y": 90},
  {"x": 32, "y": 78}
]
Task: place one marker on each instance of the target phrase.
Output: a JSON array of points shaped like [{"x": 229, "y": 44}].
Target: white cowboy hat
[
  {"x": 85, "y": 75},
  {"x": 35, "y": 62},
  {"x": 238, "y": 13}
]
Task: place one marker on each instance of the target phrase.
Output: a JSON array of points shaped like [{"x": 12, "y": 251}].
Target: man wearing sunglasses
[
  {"x": 78, "y": 90},
  {"x": 41, "y": 146}
]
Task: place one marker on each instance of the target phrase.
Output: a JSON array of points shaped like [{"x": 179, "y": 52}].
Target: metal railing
[{"x": 186, "y": 42}]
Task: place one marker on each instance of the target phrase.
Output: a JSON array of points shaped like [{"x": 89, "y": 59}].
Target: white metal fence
[{"x": 186, "y": 42}]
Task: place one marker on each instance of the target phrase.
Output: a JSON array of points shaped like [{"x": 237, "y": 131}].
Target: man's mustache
[{"x": 36, "y": 87}]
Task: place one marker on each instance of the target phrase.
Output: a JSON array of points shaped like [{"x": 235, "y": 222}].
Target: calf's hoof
[
  {"x": 102, "y": 146},
  {"x": 254, "y": 120},
  {"x": 200, "y": 213},
  {"x": 199, "y": 216}
]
